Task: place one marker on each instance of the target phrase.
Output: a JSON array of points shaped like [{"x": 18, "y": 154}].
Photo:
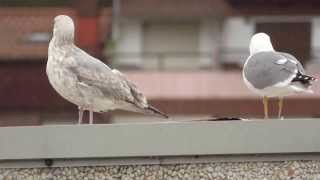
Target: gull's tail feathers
[
  {"x": 153, "y": 111},
  {"x": 303, "y": 83},
  {"x": 304, "y": 79},
  {"x": 147, "y": 109}
]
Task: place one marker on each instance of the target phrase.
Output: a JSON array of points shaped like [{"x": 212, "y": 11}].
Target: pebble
[{"x": 246, "y": 170}]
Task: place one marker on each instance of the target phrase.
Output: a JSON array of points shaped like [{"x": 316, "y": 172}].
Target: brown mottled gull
[{"x": 86, "y": 81}]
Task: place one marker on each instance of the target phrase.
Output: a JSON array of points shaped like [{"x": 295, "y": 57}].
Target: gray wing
[
  {"x": 98, "y": 76},
  {"x": 294, "y": 59},
  {"x": 138, "y": 98},
  {"x": 266, "y": 69}
]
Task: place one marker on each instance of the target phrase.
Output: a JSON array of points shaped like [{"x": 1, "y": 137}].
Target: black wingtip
[
  {"x": 156, "y": 112},
  {"x": 304, "y": 79}
]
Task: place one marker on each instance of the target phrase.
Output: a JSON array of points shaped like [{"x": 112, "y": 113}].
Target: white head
[
  {"x": 63, "y": 29},
  {"x": 260, "y": 42}
]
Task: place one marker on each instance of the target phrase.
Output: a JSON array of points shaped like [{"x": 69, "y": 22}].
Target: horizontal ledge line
[{"x": 167, "y": 160}]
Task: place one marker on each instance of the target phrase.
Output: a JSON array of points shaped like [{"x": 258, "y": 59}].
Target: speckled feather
[{"x": 88, "y": 82}]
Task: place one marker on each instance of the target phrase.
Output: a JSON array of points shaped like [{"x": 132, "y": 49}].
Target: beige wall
[
  {"x": 214, "y": 40},
  {"x": 174, "y": 44}
]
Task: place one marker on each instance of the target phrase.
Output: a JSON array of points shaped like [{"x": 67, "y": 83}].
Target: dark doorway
[{"x": 291, "y": 37}]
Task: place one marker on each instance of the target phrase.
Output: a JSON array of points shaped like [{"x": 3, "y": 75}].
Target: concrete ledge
[
  {"x": 160, "y": 139},
  {"x": 173, "y": 160}
]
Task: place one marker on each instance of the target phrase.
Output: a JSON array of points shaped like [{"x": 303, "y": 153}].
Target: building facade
[{"x": 184, "y": 55}]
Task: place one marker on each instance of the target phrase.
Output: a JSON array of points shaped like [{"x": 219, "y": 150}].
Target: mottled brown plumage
[{"x": 86, "y": 81}]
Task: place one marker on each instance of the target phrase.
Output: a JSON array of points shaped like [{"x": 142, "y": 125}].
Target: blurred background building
[{"x": 185, "y": 55}]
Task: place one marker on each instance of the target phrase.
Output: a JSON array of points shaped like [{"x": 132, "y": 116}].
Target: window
[
  {"x": 291, "y": 37},
  {"x": 171, "y": 45}
]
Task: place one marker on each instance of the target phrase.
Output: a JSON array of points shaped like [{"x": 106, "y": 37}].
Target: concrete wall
[
  {"x": 219, "y": 39},
  {"x": 129, "y": 40},
  {"x": 237, "y": 32},
  {"x": 209, "y": 42},
  {"x": 131, "y": 36},
  {"x": 214, "y": 34},
  {"x": 274, "y": 149}
]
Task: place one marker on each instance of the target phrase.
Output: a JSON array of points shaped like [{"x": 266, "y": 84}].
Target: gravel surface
[{"x": 290, "y": 170}]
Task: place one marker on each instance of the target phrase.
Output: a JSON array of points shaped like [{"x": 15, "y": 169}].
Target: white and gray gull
[
  {"x": 270, "y": 73},
  {"x": 86, "y": 81}
]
